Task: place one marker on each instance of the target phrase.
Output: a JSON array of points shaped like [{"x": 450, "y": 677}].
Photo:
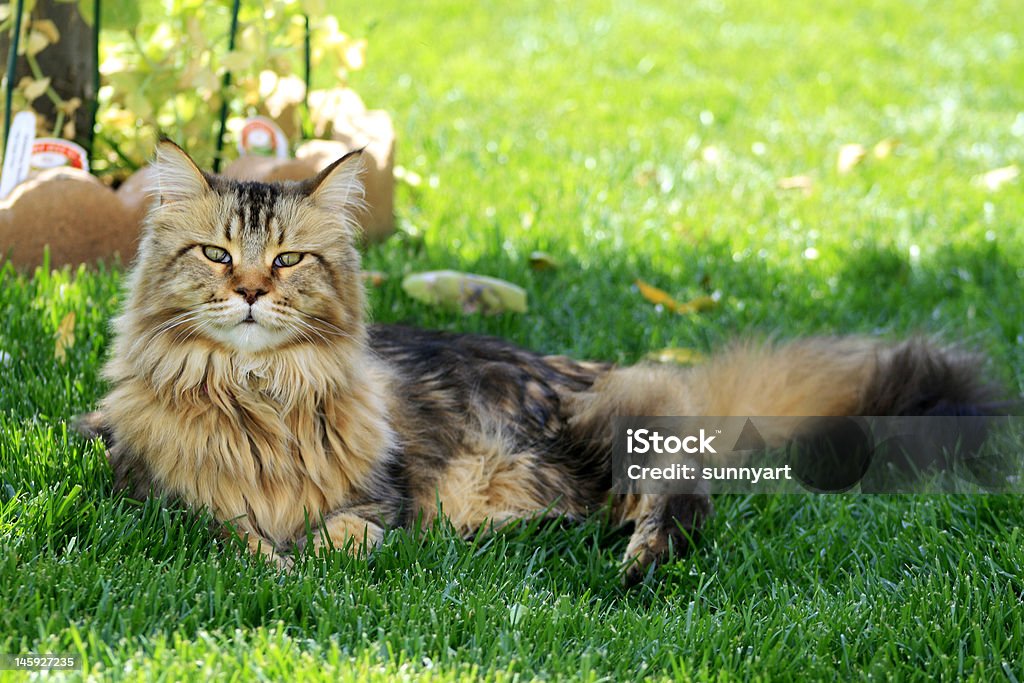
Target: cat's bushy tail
[
  {"x": 821, "y": 376},
  {"x": 816, "y": 377}
]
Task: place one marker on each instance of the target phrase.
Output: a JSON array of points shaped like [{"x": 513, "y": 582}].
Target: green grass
[{"x": 580, "y": 128}]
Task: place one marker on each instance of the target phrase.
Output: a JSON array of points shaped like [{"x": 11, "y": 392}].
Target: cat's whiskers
[
  {"x": 197, "y": 329},
  {"x": 315, "y": 331},
  {"x": 293, "y": 323},
  {"x": 293, "y": 328},
  {"x": 193, "y": 330},
  {"x": 288, "y": 314},
  {"x": 340, "y": 332},
  {"x": 187, "y": 331},
  {"x": 177, "y": 324},
  {"x": 167, "y": 328},
  {"x": 175, "y": 320}
]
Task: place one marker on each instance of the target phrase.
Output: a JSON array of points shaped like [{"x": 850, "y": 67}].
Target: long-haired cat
[{"x": 245, "y": 380}]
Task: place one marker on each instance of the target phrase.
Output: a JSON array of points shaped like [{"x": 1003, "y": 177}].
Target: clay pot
[
  {"x": 373, "y": 132},
  {"x": 80, "y": 218}
]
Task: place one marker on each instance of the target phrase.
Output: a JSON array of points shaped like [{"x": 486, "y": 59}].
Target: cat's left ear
[{"x": 339, "y": 187}]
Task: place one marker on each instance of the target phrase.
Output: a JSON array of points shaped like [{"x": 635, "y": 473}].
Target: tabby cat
[{"x": 245, "y": 380}]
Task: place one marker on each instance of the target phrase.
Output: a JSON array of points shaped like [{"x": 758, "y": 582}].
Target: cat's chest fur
[{"x": 266, "y": 461}]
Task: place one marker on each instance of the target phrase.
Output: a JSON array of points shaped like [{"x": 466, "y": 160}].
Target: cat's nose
[{"x": 250, "y": 295}]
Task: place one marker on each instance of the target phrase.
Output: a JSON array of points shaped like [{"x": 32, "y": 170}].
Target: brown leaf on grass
[
  {"x": 804, "y": 183},
  {"x": 883, "y": 149},
  {"x": 65, "y": 337},
  {"x": 998, "y": 177},
  {"x": 541, "y": 260},
  {"x": 697, "y": 305},
  {"x": 679, "y": 356},
  {"x": 849, "y": 156},
  {"x": 659, "y": 297}
]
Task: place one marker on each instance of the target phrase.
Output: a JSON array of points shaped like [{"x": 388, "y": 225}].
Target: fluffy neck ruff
[
  {"x": 263, "y": 440},
  {"x": 200, "y": 370}
]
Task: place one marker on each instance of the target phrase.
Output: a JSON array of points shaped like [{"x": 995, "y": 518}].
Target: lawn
[{"x": 630, "y": 141}]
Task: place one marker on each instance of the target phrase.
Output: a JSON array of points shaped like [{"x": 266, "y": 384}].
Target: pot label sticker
[
  {"x": 18, "y": 153},
  {"x": 262, "y": 137},
  {"x": 54, "y": 153}
]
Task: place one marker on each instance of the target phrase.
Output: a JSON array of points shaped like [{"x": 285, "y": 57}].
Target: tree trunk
[{"x": 70, "y": 63}]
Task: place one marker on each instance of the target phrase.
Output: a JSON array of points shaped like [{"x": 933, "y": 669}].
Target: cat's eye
[
  {"x": 216, "y": 254},
  {"x": 288, "y": 259}
]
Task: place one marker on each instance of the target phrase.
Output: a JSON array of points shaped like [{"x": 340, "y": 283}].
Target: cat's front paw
[
  {"x": 669, "y": 529},
  {"x": 262, "y": 547},
  {"x": 648, "y": 546},
  {"x": 282, "y": 562},
  {"x": 345, "y": 531}
]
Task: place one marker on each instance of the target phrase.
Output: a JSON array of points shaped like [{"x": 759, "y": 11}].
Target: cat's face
[{"x": 252, "y": 267}]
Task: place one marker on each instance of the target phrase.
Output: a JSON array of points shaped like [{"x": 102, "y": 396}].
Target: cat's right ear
[
  {"x": 338, "y": 187},
  {"x": 175, "y": 175}
]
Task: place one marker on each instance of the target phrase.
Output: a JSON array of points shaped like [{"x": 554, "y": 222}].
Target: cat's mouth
[{"x": 248, "y": 319}]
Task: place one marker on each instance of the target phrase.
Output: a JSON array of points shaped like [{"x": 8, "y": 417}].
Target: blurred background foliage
[{"x": 162, "y": 65}]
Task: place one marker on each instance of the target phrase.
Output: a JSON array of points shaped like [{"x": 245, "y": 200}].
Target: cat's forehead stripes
[{"x": 253, "y": 219}]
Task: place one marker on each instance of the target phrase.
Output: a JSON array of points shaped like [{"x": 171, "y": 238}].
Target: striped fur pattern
[{"x": 248, "y": 383}]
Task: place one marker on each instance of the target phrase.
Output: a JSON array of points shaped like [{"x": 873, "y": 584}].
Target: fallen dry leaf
[
  {"x": 849, "y": 156},
  {"x": 698, "y": 305},
  {"x": 660, "y": 297},
  {"x": 541, "y": 260},
  {"x": 679, "y": 356},
  {"x": 797, "y": 182},
  {"x": 65, "y": 337},
  {"x": 883, "y": 149},
  {"x": 998, "y": 177}
]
